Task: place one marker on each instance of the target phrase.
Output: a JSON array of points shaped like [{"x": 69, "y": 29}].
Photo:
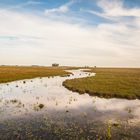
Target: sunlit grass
[
  {"x": 12, "y": 73},
  {"x": 109, "y": 82}
]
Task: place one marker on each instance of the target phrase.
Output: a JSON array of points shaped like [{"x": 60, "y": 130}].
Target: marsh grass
[
  {"x": 109, "y": 82},
  {"x": 12, "y": 73},
  {"x": 41, "y": 106},
  {"x": 108, "y": 132}
]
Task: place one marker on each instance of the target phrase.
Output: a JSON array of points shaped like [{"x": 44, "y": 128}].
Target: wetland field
[
  {"x": 109, "y": 82},
  {"x": 69, "y": 69},
  {"x": 69, "y": 103}
]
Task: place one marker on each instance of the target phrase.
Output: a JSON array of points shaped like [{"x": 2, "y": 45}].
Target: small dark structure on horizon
[{"x": 55, "y": 65}]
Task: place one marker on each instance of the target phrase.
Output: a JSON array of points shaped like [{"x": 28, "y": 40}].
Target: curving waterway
[{"x": 30, "y": 102}]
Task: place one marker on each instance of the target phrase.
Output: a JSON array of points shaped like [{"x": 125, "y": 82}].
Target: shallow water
[{"x": 20, "y": 99}]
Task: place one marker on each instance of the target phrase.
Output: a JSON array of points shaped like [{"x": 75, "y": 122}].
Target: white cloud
[
  {"x": 115, "y": 8},
  {"x": 21, "y": 5},
  {"x": 32, "y": 2},
  {"x": 61, "y": 9},
  {"x": 37, "y": 40}
]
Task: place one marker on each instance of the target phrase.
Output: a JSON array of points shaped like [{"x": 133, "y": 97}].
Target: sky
[{"x": 70, "y": 32}]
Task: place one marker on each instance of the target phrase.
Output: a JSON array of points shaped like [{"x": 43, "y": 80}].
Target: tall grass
[
  {"x": 109, "y": 82},
  {"x": 12, "y": 73}
]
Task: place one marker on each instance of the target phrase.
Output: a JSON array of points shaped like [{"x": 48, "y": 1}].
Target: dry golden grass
[{"x": 12, "y": 73}]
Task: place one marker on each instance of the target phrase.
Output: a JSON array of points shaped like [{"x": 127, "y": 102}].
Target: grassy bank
[
  {"x": 12, "y": 73},
  {"x": 109, "y": 82}
]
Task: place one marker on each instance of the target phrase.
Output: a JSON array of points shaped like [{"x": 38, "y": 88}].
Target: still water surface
[
  {"x": 20, "y": 99},
  {"x": 51, "y": 93}
]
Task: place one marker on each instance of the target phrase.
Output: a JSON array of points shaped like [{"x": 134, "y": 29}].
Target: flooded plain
[{"x": 42, "y": 108}]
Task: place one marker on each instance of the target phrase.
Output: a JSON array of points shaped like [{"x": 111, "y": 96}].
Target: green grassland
[
  {"x": 109, "y": 82},
  {"x": 12, "y": 73}
]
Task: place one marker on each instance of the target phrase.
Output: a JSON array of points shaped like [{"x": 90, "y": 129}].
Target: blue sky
[{"x": 70, "y": 32}]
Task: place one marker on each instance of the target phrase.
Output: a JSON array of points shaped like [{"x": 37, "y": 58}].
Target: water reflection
[{"x": 22, "y": 98}]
